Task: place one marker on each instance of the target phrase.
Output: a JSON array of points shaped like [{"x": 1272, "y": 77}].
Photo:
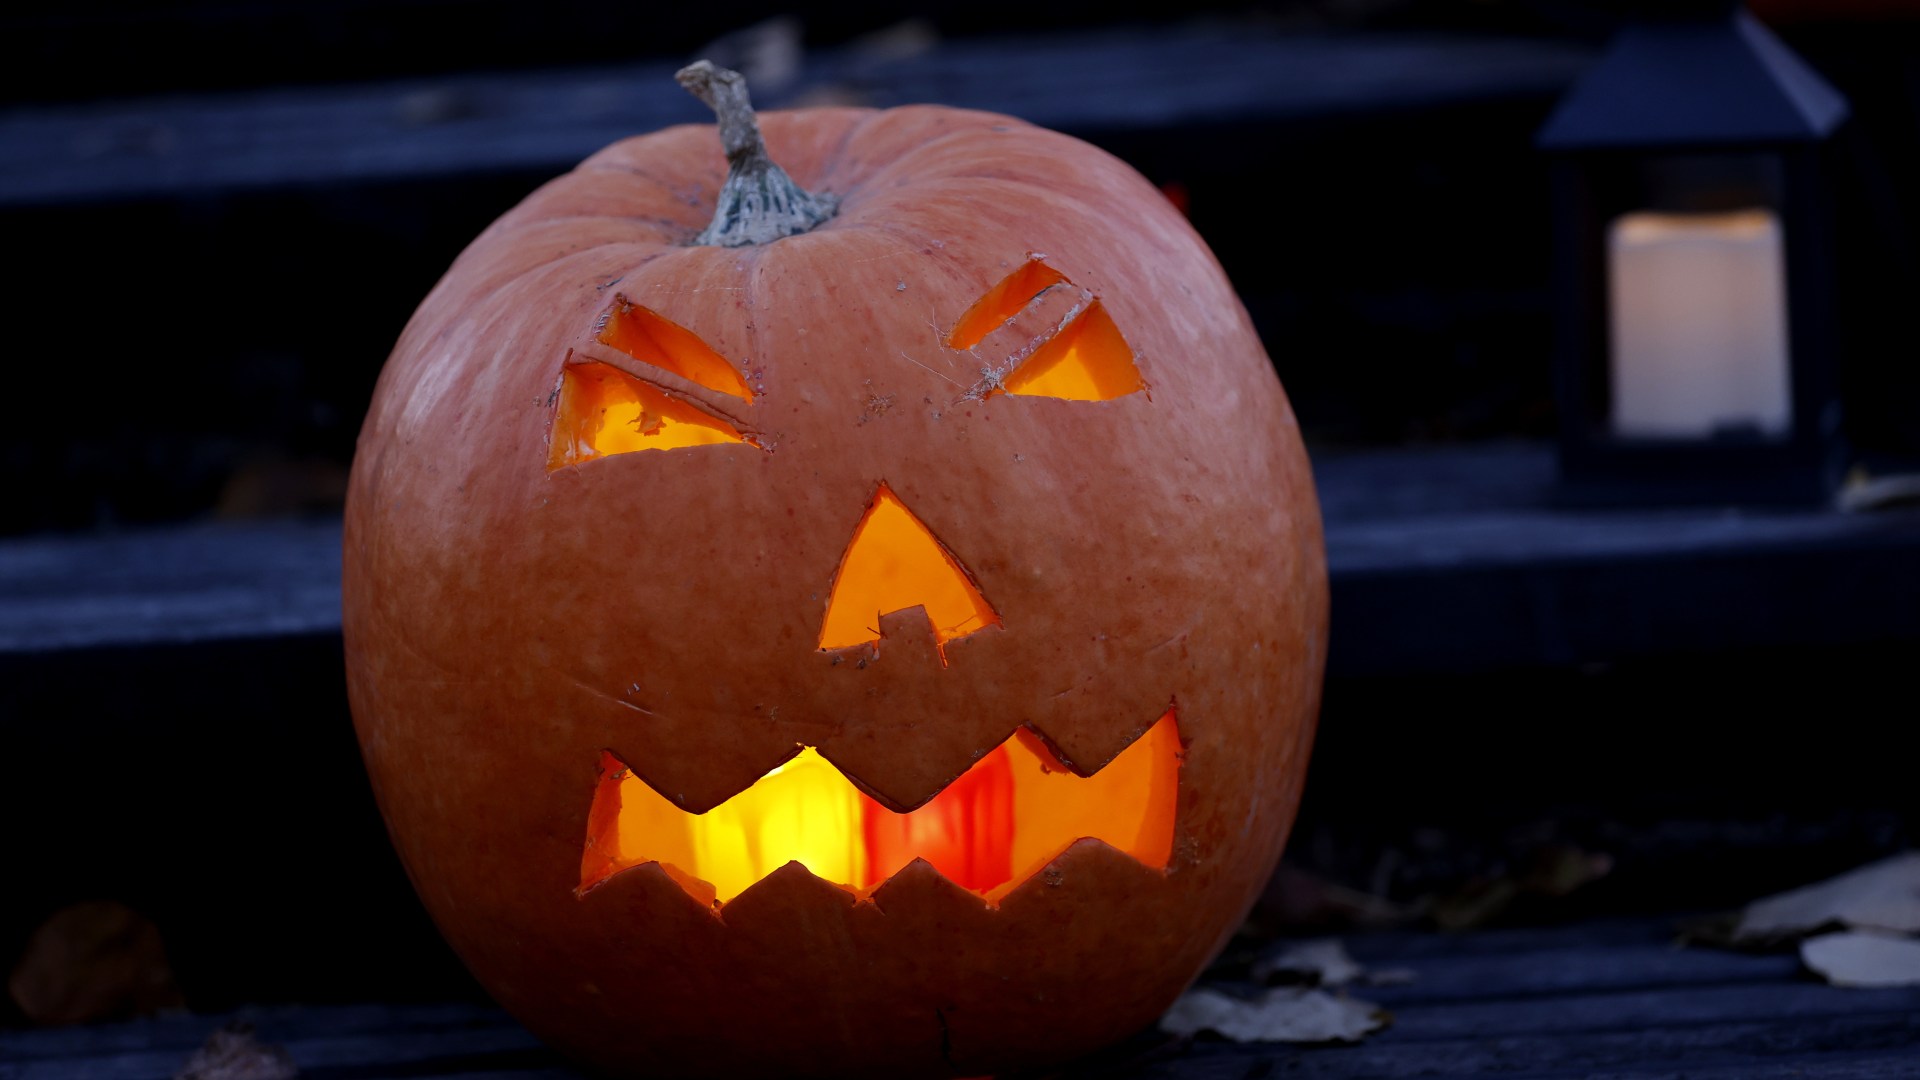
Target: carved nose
[{"x": 894, "y": 563}]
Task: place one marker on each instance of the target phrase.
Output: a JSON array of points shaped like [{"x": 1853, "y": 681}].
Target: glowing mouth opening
[{"x": 997, "y": 825}]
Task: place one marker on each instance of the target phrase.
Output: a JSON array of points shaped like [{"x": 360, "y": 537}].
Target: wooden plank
[
  {"x": 1728, "y": 1051},
  {"x": 1399, "y": 948},
  {"x": 1642, "y": 1010},
  {"x": 443, "y": 1054},
  {"x": 1896, "y": 1066},
  {"x": 1441, "y": 560},
  {"x": 1579, "y": 970},
  {"x": 426, "y": 1040},
  {"x": 1465, "y": 507},
  {"x": 185, "y": 1032},
  {"x": 543, "y": 122},
  {"x": 1509, "y": 1003},
  {"x": 1842, "y": 1041},
  {"x": 168, "y": 585},
  {"x": 1456, "y": 560}
]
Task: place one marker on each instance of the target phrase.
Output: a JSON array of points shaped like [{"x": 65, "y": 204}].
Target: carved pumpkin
[{"x": 889, "y": 649}]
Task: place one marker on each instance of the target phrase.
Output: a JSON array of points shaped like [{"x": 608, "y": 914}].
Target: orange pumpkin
[{"x": 888, "y": 649}]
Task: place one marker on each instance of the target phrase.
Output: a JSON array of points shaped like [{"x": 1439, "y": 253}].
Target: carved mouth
[{"x": 991, "y": 829}]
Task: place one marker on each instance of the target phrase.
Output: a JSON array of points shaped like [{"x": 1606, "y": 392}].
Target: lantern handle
[{"x": 759, "y": 203}]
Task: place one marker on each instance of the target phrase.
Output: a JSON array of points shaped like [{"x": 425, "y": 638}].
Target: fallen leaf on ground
[
  {"x": 1321, "y": 962},
  {"x": 1879, "y": 896},
  {"x": 90, "y": 962},
  {"x": 232, "y": 1053},
  {"x": 1285, "y": 1014},
  {"x": 1295, "y": 899},
  {"x": 1550, "y": 872},
  {"x": 1863, "y": 958}
]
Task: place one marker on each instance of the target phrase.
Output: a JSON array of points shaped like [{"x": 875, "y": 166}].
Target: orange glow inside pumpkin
[
  {"x": 1003, "y": 302},
  {"x": 894, "y": 563},
  {"x": 604, "y": 411},
  {"x": 1087, "y": 360},
  {"x": 997, "y": 825},
  {"x": 651, "y": 338}
]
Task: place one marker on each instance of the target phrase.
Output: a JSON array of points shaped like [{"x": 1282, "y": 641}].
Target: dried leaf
[
  {"x": 1716, "y": 930},
  {"x": 1320, "y": 962},
  {"x": 1285, "y": 1014},
  {"x": 1296, "y": 898},
  {"x": 232, "y": 1053},
  {"x": 90, "y": 962},
  {"x": 1863, "y": 958},
  {"x": 1550, "y": 871},
  {"x": 1879, "y": 896}
]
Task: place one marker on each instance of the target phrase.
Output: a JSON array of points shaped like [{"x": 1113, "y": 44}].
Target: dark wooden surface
[
  {"x": 543, "y": 122},
  {"x": 280, "y": 236},
  {"x": 1608, "y": 1000},
  {"x": 1444, "y": 559}
]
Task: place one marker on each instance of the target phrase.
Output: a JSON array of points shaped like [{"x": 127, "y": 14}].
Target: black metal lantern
[{"x": 1697, "y": 347}]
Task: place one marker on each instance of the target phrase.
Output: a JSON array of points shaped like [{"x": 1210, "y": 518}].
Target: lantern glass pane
[{"x": 1697, "y": 303}]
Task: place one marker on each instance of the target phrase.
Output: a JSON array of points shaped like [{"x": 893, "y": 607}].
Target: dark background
[{"x": 197, "y": 345}]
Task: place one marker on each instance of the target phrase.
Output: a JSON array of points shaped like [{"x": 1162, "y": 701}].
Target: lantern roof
[{"x": 1700, "y": 82}]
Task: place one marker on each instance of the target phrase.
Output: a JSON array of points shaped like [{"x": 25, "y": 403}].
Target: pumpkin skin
[{"x": 505, "y": 622}]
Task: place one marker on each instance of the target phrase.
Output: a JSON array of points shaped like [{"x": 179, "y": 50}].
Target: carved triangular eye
[
  {"x": 1002, "y": 302},
  {"x": 651, "y": 338},
  {"x": 894, "y": 563},
  {"x": 1085, "y": 360},
  {"x": 1081, "y": 358},
  {"x": 604, "y": 411}
]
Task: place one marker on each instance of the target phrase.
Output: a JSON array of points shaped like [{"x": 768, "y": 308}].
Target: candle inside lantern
[{"x": 1699, "y": 324}]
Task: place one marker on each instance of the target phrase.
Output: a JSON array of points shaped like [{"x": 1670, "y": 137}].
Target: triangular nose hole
[{"x": 894, "y": 562}]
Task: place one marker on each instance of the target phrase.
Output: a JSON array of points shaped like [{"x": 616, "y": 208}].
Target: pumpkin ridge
[
  {"x": 519, "y": 276},
  {"x": 1065, "y": 203},
  {"x": 834, "y": 160},
  {"x": 571, "y": 219},
  {"x": 952, "y": 259},
  {"x": 1064, "y": 207},
  {"x": 557, "y": 201},
  {"x": 599, "y": 163},
  {"x": 754, "y": 255},
  {"x": 882, "y": 169}
]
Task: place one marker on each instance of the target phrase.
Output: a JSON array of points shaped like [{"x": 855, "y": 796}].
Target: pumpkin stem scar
[{"x": 759, "y": 203}]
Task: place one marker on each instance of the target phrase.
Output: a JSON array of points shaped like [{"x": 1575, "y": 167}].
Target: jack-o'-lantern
[{"x": 877, "y": 633}]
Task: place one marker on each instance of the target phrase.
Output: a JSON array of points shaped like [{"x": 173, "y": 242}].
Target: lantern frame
[{"x": 1695, "y": 114}]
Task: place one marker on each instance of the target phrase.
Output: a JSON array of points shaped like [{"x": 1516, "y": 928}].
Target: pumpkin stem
[{"x": 759, "y": 203}]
